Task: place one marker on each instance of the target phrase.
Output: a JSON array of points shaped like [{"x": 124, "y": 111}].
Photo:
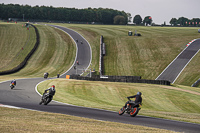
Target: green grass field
[{"x": 144, "y": 56}]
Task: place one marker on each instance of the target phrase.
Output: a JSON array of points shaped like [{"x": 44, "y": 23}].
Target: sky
[{"x": 160, "y": 10}]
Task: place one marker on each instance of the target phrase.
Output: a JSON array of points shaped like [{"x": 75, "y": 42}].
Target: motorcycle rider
[
  {"x": 46, "y": 75},
  {"x": 138, "y": 99},
  {"x": 77, "y": 62},
  {"x": 51, "y": 92},
  {"x": 13, "y": 82}
]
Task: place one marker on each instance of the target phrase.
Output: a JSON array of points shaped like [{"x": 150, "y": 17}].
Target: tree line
[
  {"x": 182, "y": 21},
  {"x": 89, "y": 15},
  {"x": 138, "y": 20},
  {"x": 46, "y": 13}
]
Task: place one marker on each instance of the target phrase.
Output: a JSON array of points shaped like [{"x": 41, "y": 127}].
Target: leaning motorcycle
[
  {"x": 132, "y": 108},
  {"x": 12, "y": 85},
  {"x": 46, "y": 75},
  {"x": 46, "y": 98}
]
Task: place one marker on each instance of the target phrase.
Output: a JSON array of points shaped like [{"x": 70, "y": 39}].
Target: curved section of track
[
  {"x": 24, "y": 96},
  {"x": 84, "y": 52},
  {"x": 174, "y": 69}
]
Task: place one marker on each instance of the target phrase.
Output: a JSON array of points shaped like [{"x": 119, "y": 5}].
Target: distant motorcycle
[
  {"x": 12, "y": 85},
  {"x": 46, "y": 98},
  {"x": 132, "y": 108},
  {"x": 46, "y": 75}
]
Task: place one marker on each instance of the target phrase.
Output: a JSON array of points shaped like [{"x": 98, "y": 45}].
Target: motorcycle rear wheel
[
  {"x": 12, "y": 87},
  {"x": 134, "y": 112}
]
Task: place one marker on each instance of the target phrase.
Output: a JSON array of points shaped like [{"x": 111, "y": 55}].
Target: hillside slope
[
  {"x": 146, "y": 56},
  {"x": 55, "y": 54}
]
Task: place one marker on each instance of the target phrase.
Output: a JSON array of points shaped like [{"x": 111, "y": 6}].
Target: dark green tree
[
  {"x": 137, "y": 19},
  {"x": 164, "y": 24},
  {"x": 119, "y": 20},
  {"x": 106, "y": 17},
  {"x": 195, "y": 21},
  {"x": 182, "y": 21},
  {"x": 147, "y": 20},
  {"x": 173, "y": 22}
]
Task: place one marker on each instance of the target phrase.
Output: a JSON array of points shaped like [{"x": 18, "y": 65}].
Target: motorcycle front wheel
[
  {"x": 134, "y": 112},
  {"x": 121, "y": 111}
]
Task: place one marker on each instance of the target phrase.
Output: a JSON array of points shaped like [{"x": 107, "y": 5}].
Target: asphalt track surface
[
  {"x": 174, "y": 69},
  {"x": 83, "y": 54},
  {"x": 24, "y": 95}
]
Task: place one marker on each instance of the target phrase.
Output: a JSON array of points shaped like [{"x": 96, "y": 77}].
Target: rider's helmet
[
  {"x": 53, "y": 86},
  {"x": 139, "y": 93}
]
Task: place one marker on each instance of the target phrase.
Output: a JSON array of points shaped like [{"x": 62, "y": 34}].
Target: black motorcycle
[
  {"x": 132, "y": 108},
  {"x": 12, "y": 85},
  {"x": 46, "y": 98},
  {"x": 46, "y": 75}
]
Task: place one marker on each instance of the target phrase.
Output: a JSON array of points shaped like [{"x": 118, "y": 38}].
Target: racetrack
[
  {"x": 83, "y": 55},
  {"x": 25, "y": 96},
  {"x": 173, "y": 70}
]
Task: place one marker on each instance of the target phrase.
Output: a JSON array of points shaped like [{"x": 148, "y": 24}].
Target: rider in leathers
[
  {"x": 51, "y": 92},
  {"x": 138, "y": 98},
  {"x": 13, "y": 81}
]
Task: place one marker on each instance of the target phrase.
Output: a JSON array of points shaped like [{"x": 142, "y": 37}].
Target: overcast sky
[{"x": 159, "y": 10}]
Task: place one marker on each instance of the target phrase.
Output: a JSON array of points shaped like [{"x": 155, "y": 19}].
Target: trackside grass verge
[
  {"x": 23, "y": 121},
  {"x": 158, "y": 101}
]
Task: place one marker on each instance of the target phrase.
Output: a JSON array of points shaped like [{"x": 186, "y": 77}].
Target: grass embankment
[
  {"x": 16, "y": 42},
  {"x": 146, "y": 56},
  {"x": 23, "y": 121},
  {"x": 176, "y": 103},
  {"x": 55, "y": 54}
]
